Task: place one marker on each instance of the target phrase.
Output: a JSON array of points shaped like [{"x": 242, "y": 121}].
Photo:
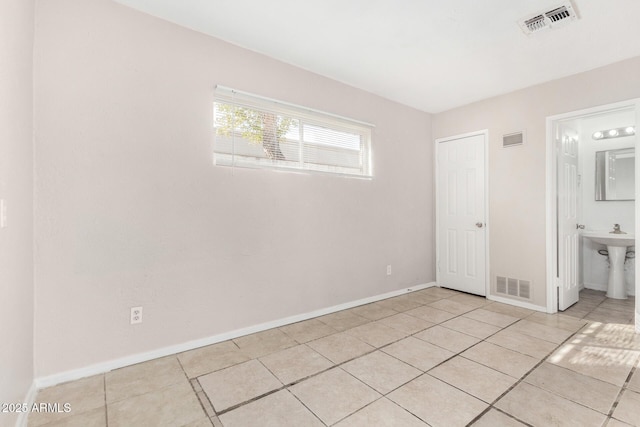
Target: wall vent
[
  {"x": 512, "y": 139},
  {"x": 501, "y": 285},
  {"x": 524, "y": 289},
  {"x": 513, "y": 287},
  {"x": 553, "y": 18}
]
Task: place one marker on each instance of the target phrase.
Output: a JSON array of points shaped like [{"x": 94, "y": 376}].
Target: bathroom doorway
[{"x": 578, "y": 144}]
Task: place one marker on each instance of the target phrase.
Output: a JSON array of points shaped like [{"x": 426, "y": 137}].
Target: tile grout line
[
  {"x": 106, "y": 408},
  {"x": 201, "y": 395},
  {"x": 339, "y": 365},
  {"x": 622, "y": 390},
  {"x": 460, "y": 355},
  {"x": 522, "y": 379},
  {"x": 490, "y": 407},
  {"x": 336, "y": 365},
  {"x": 293, "y": 383},
  {"x": 490, "y": 404},
  {"x": 195, "y": 391},
  {"x": 526, "y": 374},
  {"x": 384, "y": 395},
  {"x": 427, "y": 371},
  {"x": 478, "y": 343},
  {"x": 246, "y": 402},
  {"x": 623, "y": 387},
  {"x": 308, "y": 409}
]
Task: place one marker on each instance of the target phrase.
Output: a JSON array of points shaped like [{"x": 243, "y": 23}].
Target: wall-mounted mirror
[{"x": 615, "y": 174}]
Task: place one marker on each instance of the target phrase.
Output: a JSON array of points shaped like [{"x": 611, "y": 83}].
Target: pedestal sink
[{"x": 617, "y": 245}]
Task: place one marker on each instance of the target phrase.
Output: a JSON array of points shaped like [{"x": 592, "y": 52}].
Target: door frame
[
  {"x": 485, "y": 134},
  {"x": 552, "y": 206}
]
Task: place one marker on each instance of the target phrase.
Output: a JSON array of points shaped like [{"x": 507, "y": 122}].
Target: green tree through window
[{"x": 258, "y": 127}]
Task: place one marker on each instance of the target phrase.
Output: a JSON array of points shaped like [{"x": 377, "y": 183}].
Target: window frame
[{"x": 305, "y": 117}]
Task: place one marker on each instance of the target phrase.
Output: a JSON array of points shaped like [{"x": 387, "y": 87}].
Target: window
[{"x": 256, "y": 132}]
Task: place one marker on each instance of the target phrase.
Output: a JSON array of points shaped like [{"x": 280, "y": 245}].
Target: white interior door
[
  {"x": 568, "y": 232},
  {"x": 460, "y": 195}
]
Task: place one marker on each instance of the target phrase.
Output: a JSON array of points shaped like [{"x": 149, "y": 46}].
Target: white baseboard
[
  {"x": 595, "y": 286},
  {"x": 517, "y": 303},
  {"x": 29, "y": 399},
  {"x": 605, "y": 287},
  {"x": 99, "y": 368}
]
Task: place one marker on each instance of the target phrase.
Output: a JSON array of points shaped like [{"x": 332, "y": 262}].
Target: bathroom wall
[
  {"x": 130, "y": 210},
  {"x": 517, "y": 180},
  {"x": 601, "y": 215},
  {"x": 16, "y": 190}
]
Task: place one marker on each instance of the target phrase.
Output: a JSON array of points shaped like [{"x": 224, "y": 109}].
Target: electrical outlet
[
  {"x": 388, "y": 270},
  {"x": 136, "y": 315}
]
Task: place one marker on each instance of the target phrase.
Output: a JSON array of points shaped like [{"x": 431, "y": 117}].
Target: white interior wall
[
  {"x": 130, "y": 210},
  {"x": 16, "y": 189},
  {"x": 601, "y": 215}
]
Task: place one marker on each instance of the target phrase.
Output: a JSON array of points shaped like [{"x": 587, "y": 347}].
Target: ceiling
[{"x": 433, "y": 55}]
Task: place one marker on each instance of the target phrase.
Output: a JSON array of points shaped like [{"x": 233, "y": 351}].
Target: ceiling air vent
[
  {"x": 557, "y": 15},
  {"x": 553, "y": 18}
]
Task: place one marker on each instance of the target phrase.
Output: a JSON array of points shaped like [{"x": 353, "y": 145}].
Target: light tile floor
[
  {"x": 434, "y": 357},
  {"x": 595, "y": 306}
]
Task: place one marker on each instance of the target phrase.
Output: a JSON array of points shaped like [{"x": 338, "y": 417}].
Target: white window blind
[{"x": 257, "y": 132}]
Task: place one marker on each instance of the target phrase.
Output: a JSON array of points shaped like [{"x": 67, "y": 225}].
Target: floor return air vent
[{"x": 513, "y": 287}]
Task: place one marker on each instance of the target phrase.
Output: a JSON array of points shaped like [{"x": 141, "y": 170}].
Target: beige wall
[
  {"x": 131, "y": 211},
  {"x": 16, "y": 188},
  {"x": 517, "y": 175}
]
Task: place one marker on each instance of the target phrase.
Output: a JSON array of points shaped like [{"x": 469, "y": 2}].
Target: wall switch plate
[
  {"x": 388, "y": 270},
  {"x": 136, "y": 315},
  {"x": 3, "y": 213}
]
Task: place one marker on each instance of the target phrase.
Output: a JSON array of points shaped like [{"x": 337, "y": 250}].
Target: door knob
[
  {"x": 580, "y": 226},
  {"x": 479, "y": 224}
]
